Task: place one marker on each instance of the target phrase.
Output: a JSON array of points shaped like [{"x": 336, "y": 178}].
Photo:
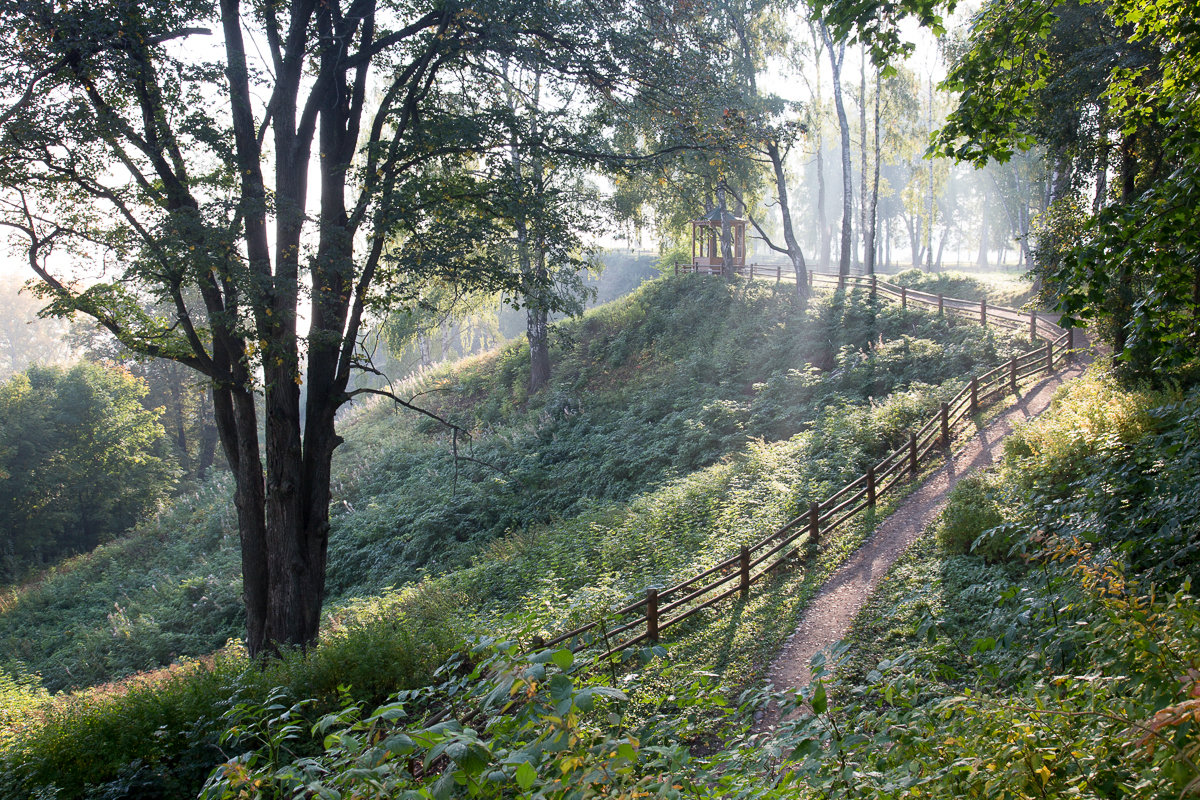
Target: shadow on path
[{"x": 828, "y": 618}]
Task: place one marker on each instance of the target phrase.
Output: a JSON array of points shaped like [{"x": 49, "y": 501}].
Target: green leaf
[
  {"x": 563, "y": 659},
  {"x": 819, "y": 702},
  {"x": 525, "y": 776}
]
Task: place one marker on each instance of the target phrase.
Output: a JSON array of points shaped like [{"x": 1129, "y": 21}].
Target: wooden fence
[{"x": 645, "y": 619}]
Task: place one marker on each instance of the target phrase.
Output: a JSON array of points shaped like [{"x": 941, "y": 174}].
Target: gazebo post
[{"x": 693, "y": 247}]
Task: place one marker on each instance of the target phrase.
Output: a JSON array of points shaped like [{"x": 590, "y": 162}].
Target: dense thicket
[{"x": 80, "y": 461}]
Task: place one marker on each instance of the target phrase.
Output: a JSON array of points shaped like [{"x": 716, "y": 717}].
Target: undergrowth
[
  {"x": 1065, "y": 667},
  {"x": 689, "y": 418}
]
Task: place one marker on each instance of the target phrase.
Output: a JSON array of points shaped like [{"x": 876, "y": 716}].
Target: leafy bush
[
  {"x": 158, "y": 735},
  {"x": 539, "y": 726},
  {"x": 1095, "y": 415},
  {"x": 971, "y": 511},
  {"x": 950, "y": 284}
]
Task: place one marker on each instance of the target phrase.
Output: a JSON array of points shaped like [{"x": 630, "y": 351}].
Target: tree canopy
[
  {"x": 80, "y": 461},
  {"x": 159, "y": 155}
]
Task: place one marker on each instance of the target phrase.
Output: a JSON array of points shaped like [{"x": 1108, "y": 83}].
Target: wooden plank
[
  {"x": 652, "y": 614},
  {"x": 854, "y": 498},
  {"x": 703, "y": 590},
  {"x": 834, "y": 524},
  {"x": 837, "y": 496},
  {"x": 695, "y": 609}
]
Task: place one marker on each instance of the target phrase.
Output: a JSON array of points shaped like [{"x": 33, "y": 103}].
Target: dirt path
[{"x": 827, "y": 620}]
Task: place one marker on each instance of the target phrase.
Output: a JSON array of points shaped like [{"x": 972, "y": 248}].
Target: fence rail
[{"x": 785, "y": 544}]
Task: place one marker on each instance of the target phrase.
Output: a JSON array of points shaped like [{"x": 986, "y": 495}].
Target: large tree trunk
[
  {"x": 912, "y": 222},
  {"x": 726, "y": 234},
  {"x": 534, "y": 276},
  {"x": 237, "y": 425},
  {"x": 1123, "y": 310},
  {"x": 175, "y": 389},
  {"x": 862, "y": 157},
  {"x": 1100, "y": 198},
  {"x": 537, "y": 330},
  {"x": 822, "y": 214},
  {"x": 981, "y": 260},
  {"x": 932, "y": 201}
]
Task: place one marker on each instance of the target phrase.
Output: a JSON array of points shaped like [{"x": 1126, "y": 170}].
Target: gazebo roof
[{"x": 717, "y": 217}]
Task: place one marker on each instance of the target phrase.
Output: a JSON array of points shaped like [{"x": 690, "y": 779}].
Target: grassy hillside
[
  {"x": 691, "y": 416},
  {"x": 1039, "y": 642},
  {"x": 653, "y": 387}
]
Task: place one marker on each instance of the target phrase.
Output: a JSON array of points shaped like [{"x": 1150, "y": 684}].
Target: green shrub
[
  {"x": 971, "y": 512},
  {"x": 157, "y": 735}
]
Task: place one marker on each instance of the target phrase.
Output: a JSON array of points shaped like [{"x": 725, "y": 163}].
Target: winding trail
[{"x": 828, "y": 618}]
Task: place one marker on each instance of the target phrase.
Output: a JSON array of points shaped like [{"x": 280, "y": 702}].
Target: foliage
[
  {"x": 1067, "y": 675},
  {"x": 1071, "y": 675},
  {"x": 677, "y": 376},
  {"x": 540, "y": 726},
  {"x": 80, "y": 461},
  {"x": 950, "y": 284},
  {"x": 158, "y": 734},
  {"x": 971, "y": 510},
  {"x": 672, "y": 517},
  {"x": 20, "y": 696},
  {"x": 1069, "y": 78}
]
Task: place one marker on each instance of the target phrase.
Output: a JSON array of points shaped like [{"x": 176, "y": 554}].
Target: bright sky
[{"x": 924, "y": 60}]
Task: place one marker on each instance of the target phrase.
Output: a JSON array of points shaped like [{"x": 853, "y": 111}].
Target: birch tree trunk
[{"x": 837, "y": 56}]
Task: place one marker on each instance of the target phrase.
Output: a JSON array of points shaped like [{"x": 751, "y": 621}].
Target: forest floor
[{"x": 828, "y": 618}]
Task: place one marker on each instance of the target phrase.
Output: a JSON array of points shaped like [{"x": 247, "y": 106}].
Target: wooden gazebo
[{"x": 706, "y": 240}]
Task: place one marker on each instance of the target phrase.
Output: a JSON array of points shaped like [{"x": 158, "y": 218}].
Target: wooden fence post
[
  {"x": 874, "y": 286},
  {"x": 814, "y": 523},
  {"x": 983, "y": 312},
  {"x": 974, "y": 395},
  {"x": 810, "y": 279},
  {"x": 1012, "y": 375},
  {"x": 912, "y": 452},
  {"x": 652, "y": 614},
  {"x": 1033, "y": 326},
  {"x": 1049, "y": 355},
  {"x": 903, "y": 297},
  {"x": 946, "y": 425},
  {"x": 677, "y": 269},
  {"x": 751, "y": 272},
  {"x": 744, "y": 569},
  {"x": 778, "y": 272},
  {"x": 941, "y": 305},
  {"x": 1070, "y": 343},
  {"x": 871, "y": 486}
]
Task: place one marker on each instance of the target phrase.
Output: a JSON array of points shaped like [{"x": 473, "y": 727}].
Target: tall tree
[
  {"x": 837, "y": 57},
  {"x": 872, "y": 216},
  {"x": 211, "y": 200},
  {"x": 770, "y": 129}
]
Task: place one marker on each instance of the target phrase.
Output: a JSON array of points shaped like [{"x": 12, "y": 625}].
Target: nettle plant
[{"x": 498, "y": 724}]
